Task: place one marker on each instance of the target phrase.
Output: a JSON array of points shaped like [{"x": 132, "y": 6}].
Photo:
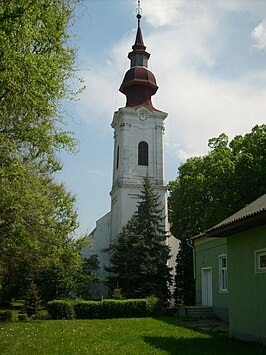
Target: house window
[
  {"x": 143, "y": 153},
  {"x": 223, "y": 286},
  {"x": 260, "y": 260}
]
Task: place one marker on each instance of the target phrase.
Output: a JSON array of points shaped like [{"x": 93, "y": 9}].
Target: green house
[{"x": 230, "y": 271}]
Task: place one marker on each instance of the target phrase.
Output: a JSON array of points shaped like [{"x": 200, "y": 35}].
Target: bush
[
  {"x": 60, "y": 309},
  {"x": 154, "y": 305},
  {"x": 114, "y": 308},
  {"x": 32, "y": 302},
  {"x": 42, "y": 315},
  {"x": 6, "y": 316},
  {"x": 88, "y": 309},
  {"x": 117, "y": 294},
  {"x": 126, "y": 308},
  {"x": 111, "y": 309},
  {"x": 23, "y": 317},
  {"x": 18, "y": 305}
]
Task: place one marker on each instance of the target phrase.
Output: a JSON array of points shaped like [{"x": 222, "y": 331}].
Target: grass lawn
[{"x": 115, "y": 336}]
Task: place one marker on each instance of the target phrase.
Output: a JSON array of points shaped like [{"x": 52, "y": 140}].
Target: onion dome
[{"x": 139, "y": 83}]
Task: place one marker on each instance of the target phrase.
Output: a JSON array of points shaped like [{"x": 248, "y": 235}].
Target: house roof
[{"x": 252, "y": 215}]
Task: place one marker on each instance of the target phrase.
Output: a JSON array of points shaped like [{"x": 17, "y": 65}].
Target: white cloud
[
  {"x": 256, "y": 7},
  {"x": 200, "y": 104},
  {"x": 162, "y": 12},
  {"x": 205, "y": 108},
  {"x": 259, "y": 34}
]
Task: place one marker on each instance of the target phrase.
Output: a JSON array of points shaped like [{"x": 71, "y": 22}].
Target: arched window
[
  {"x": 143, "y": 153},
  {"x": 117, "y": 158}
]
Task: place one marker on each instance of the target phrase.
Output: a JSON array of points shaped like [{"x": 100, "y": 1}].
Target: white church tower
[
  {"x": 138, "y": 151},
  {"x": 138, "y": 138}
]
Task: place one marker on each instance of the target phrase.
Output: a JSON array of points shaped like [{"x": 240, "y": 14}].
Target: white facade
[
  {"x": 131, "y": 127},
  {"x": 101, "y": 240}
]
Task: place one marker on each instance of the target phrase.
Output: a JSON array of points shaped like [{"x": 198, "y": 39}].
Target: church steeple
[
  {"x": 139, "y": 83},
  {"x": 139, "y": 57}
]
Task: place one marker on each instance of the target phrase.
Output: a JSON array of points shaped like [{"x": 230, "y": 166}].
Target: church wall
[
  {"x": 129, "y": 132},
  {"x": 132, "y": 127},
  {"x": 100, "y": 238},
  {"x": 124, "y": 204}
]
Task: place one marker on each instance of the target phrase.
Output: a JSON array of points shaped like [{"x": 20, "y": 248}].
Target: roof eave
[{"x": 237, "y": 226}]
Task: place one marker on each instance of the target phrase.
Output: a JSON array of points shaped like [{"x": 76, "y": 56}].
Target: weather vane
[{"x": 139, "y": 11}]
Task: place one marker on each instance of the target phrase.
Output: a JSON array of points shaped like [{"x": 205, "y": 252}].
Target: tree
[
  {"x": 208, "y": 189},
  {"x": 36, "y": 63},
  {"x": 37, "y": 215},
  {"x": 36, "y": 237},
  {"x": 32, "y": 302},
  {"x": 86, "y": 275},
  {"x": 184, "y": 291},
  {"x": 139, "y": 255}
]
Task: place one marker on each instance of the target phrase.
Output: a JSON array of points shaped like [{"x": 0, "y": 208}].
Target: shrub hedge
[
  {"x": 88, "y": 310},
  {"x": 111, "y": 309},
  {"x": 42, "y": 315},
  {"x": 60, "y": 309},
  {"x": 23, "y": 317},
  {"x": 106, "y": 309},
  {"x": 6, "y": 316},
  {"x": 154, "y": 305}
]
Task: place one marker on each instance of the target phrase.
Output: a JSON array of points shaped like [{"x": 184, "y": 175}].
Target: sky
[{"x": 209, "y": 60}]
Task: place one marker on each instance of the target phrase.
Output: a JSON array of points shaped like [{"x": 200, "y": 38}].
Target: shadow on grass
[
  {"x": 172, "y": 320},
  {"x": 191, "y": 324},
  {"x": 199, "y": 346}
]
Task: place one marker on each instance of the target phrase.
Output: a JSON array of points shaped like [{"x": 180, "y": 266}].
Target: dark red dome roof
[
  {"x": 139, "y": 83},
  {"x": 139, "y": 76}
]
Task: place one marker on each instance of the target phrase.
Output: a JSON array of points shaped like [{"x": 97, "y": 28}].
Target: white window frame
[
  {"x": 223, "y": 271},
  {"x": 257, "y": 254}
]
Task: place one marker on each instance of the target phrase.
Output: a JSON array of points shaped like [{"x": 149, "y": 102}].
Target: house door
[{"x": 206, "y": 274}]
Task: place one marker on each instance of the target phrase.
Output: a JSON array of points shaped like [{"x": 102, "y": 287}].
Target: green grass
[{"x": 115, "y": 336}]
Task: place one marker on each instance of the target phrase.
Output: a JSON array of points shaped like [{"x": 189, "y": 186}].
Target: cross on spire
[
  {"x": 139, "y": 12},
  {"x": 139, "y": 83}
]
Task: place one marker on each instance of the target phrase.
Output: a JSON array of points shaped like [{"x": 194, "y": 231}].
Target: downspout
[{"x": 194, "y": 259}]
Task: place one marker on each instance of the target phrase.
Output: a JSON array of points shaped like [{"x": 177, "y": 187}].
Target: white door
[{"x": 206, "y": 274}]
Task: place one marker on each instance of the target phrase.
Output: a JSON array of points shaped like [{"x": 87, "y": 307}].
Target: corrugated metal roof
[{"x": 252, "y": 209}]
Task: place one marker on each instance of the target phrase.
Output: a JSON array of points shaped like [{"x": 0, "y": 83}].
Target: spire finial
[{"x": 139, "y": 12}]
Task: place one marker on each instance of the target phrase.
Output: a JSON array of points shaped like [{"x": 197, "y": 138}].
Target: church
[{"x": 138, "y": 152}]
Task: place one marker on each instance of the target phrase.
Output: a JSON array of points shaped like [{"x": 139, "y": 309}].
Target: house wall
[
  {"x": 207, "y": 252},
  {"x": 247, "y": 298}
]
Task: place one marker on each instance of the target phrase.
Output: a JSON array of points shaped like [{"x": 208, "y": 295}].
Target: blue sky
[{"x": 209, "y": 59}]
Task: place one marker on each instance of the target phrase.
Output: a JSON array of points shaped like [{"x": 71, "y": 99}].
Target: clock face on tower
[{"x": 143, "y": 116}]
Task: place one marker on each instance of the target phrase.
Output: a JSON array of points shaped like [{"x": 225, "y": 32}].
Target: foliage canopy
[
  {"x": 209, "y": 189},
  {"x": 37, "y": 215}
]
